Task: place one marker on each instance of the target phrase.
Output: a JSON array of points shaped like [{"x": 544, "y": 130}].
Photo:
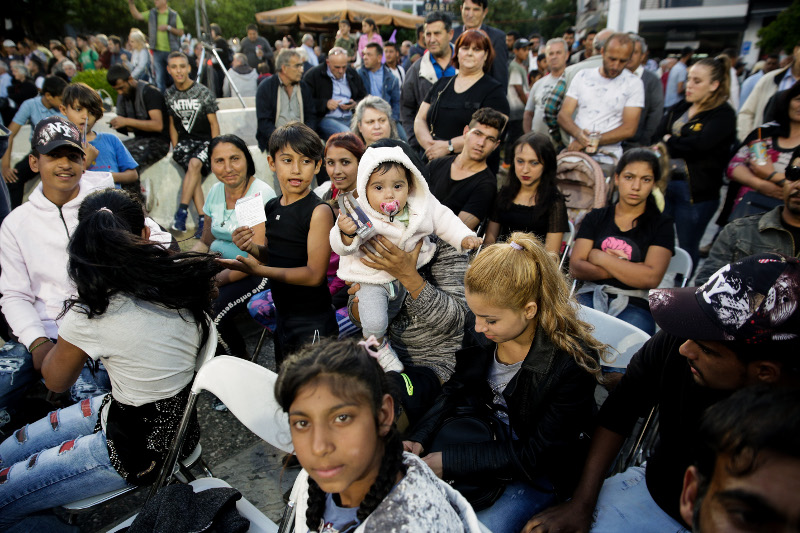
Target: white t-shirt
[
  {"x": 149, "y": 351},
  {"x": 516, "y": 76},
  {"x": 541, "y": 90},
  {"x": 601, "y": 101}
]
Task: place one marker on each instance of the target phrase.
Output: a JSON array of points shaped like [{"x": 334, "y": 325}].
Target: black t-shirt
[
  {"x": 659, "y": 375},
  {"x": 287, "y": 245},
  {"x": 599, "y": 227},
  {"x": 538, "y": 219},
  {"x": 451, "y": 111},
  {"x": 190, "y": 110},
  {"x": 795, "y": 231},
  {"x": 152, "y": 99},
  {"x": 474, "y": 194}
]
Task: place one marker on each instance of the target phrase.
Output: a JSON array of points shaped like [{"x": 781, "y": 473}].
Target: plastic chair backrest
[
  {"x": 209, "y": 349},
  {"x": 246, "y": 389},
  {"x": 681, "y": 263},
  {"x": 623, "y": 338}
]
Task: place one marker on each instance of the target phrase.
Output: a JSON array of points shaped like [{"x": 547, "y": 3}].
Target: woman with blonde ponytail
[{"x": 538, "y": 374}]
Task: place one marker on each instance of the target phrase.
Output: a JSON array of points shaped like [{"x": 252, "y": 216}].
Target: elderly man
[
  {"x": 653, "y": 96},
  {"x": 242, "y": 75},
  {"x": 533, "y": 118},
  {"x": 336, "y": 89},
  {"x": 308, "y": 46},
  {"x": 283, "y": 98}
]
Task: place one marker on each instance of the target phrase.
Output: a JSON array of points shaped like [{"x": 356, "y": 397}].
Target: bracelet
[
  {"x": 774, "y": 172},
  {"x": 32, "y": 348},
  {"x": 419, "y": 288},
  {"x": 350, "y": 235}
]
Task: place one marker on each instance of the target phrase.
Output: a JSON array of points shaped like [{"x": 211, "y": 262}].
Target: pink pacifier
[{"x": 390, "y": 208}]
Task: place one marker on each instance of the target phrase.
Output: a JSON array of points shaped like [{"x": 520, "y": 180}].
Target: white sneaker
[{"x": 388, "y": 359}]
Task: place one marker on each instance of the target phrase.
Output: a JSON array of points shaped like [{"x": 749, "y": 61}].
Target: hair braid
[
  {"x": 391, "y": 464},
  {"x": 316, "y": 505}
]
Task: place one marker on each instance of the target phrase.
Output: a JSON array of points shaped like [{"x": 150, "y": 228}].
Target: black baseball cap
[
  {"x": 53, "y": 132},
  {"x": 752, "y": 301}
]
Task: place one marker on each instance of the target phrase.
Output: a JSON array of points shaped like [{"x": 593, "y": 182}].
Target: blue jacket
[{"x": 390, "y": 92}]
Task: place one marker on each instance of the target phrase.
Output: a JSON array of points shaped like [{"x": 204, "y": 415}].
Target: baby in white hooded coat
[{"x": 395, "y": 196}]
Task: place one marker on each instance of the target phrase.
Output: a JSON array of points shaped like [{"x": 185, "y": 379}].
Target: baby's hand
[
  {"x": 471, "y": 242},
  {"x": 346, "y": 224}
]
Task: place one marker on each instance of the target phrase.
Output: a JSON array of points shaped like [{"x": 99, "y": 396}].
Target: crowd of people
[{"x": 436, "y": 232}]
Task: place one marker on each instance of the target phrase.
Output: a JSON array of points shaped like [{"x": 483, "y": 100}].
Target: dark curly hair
[{"x": 351, "y": 373}]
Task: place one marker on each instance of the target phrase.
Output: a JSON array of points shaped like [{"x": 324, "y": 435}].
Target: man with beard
[
  {"x": 777, "y": 230},
  {"x": 741, "y": 328}
]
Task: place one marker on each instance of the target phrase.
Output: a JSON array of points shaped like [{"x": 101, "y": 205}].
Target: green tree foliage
[
  {"x": 784, "y": 32},
  {"x": 96, "y": 79}
]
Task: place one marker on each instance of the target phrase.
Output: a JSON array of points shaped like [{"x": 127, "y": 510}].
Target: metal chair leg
[{"x": 258, "y": 346}]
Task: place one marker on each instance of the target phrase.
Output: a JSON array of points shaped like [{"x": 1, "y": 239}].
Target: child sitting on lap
[{"x": 395, "y": 196}]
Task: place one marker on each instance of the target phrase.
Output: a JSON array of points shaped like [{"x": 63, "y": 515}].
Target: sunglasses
[{"x": 792, "y": 173}]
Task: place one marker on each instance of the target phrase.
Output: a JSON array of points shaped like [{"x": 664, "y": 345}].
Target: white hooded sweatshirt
[
  {"x": 426, "y": 216},
  {"x": 33, "y": 255}
]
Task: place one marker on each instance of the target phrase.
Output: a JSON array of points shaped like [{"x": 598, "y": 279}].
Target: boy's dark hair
[
  {"x": 346, "y": 21},
  {"x": 483, "y": 3},
  {"x": 54, "y": 85},
  {"x": 514, "y": 33},
  {"x": 85, "y": 96},
  {"x": 440, "y": 16},
  {"x": 116, "y": 40},
  {"x": 175, "y": 54},
  {"x": 300, "y": 138},
  {"x": 215, "y": 28},
  {"x": 377, "y": 47},
  {"x": 351, "y": 373},
  {"x": 569, "y": 31},
  {"x": 252, "y": 27},
  {"x": 83, "y": 37},
  {"x": 420, "y": 29},
  {"x": 390, "y": 45},
  {"x": 238, "y": 143},
  {"x": 753, "y": 420},
  {"x": 540, "y": 57},
  {"x": 488, "y": 117},
  {"x": 116, "y": 73}
]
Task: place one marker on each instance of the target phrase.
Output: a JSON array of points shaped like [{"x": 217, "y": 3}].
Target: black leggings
[{"x": 233, "y": 298}]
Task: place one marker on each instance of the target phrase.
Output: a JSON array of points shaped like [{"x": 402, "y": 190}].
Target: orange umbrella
[{"x": 324, "y": 12}]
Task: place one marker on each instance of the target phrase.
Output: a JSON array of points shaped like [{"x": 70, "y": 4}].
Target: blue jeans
[
  {"x": 625, "y": 504},
  {"x": 55, "y": 461},
  {"x": 516, "y": 506},
  {"x": 633, "y": 315},
  {"x": 160, "y": 65},
  {"x": 330, "y": 125},
  {"x": 690, "y": 218},
  {"x": 17, "y": 374}
]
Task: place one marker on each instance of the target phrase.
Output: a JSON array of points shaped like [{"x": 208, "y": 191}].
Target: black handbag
[{"x": 473, "y": 426}]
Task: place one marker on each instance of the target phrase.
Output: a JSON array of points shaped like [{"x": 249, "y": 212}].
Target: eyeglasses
[{"x": 792, "y": 173}]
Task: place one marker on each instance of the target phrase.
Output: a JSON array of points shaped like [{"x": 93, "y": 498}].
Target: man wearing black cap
[
  {"x": 739, "y": 329},
  {"x": 33, "y": 257}
]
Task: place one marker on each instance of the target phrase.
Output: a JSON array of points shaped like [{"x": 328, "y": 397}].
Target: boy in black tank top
[{"x": 297, "y": 249}]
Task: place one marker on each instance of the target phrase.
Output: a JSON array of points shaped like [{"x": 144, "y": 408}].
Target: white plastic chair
[
  {"x": 681, "y": 263},
  {"x": 181, "y": 471},
  {"x": 623, "y": 338},
  {"x": 569, "y": 240}
]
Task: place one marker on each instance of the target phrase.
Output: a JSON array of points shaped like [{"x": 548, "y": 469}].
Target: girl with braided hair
[{"x": 356, "y": 476}]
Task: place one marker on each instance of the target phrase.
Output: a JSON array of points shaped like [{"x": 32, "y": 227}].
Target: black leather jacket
[{"x": 551, "y": 409}]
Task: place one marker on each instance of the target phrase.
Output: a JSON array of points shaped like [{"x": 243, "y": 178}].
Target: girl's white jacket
[
  {"x": 420, "y": 502},
  {"x": 33, "y": 256},
  {"x": 426, "y": 216}
]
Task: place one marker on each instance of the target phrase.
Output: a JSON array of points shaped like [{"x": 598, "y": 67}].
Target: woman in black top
[
  {"x": 449, "y": 105},
  {"x": 699, "y": 133},
  {"x": 530, "y": 202},
  {"x": 624, "y": 249}
]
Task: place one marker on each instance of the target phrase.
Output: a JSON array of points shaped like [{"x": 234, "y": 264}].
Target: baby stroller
[{"x": 580, "y": 179}]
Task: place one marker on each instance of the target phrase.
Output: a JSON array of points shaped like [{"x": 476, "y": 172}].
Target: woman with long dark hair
[
  {"x": 624, "y": 249},
  {"x": 233, "y": 165},
  {"x": 531, "y": 201},
  {"x": 699, "y": 132},
  {"x": 143, "y": 310}
]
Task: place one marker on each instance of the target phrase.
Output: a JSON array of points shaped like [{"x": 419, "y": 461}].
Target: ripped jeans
[
  {"x": 17, "y": 375},
  {"x": 54, "y": 461}
]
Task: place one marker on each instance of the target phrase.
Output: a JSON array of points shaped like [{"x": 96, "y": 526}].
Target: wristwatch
[{"x": 450, "y": 147}]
